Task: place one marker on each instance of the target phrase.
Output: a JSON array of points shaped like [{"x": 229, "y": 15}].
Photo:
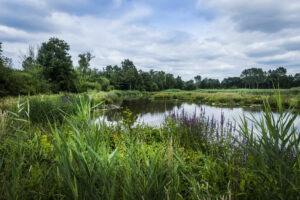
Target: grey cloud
[
  {"x": 264, "y": 21},
  {"x": 33, "y": 16},
  {"x": 291, "y": 46},
  {"x": 30, "y": 24},
  {"x": 274, "y": 62},
  {"x": 25, "y": 17},
  {"x": 257, "y": 53},
  {"x": 267, "y": 16},
  {"x": 212, "y": 57}
]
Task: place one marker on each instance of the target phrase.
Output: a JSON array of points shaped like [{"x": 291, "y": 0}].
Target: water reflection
[{"x": 153, "y": 112}]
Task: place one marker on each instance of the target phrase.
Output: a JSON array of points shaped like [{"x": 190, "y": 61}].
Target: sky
[{"x": 211, "y": 38}]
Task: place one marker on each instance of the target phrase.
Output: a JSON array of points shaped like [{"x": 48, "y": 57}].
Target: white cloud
[{"x": 217, "y": 47}]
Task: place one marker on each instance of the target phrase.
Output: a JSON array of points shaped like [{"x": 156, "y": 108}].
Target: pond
[{"x": 153, "y": 112}]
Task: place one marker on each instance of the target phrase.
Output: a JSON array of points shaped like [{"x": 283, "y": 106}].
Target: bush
[
  {"x": 54, "y": 108},
  {"x": 86, "y": 85}
]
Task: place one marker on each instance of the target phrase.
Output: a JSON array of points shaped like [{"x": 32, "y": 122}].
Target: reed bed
[{"x": 188, "y": 157}]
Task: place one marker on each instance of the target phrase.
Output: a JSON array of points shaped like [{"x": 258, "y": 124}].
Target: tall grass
[
  {"x": 189, "y": 157},
  {"x": 271, "y": 152}
]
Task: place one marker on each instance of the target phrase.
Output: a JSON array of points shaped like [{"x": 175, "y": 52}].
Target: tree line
[{"x": 51, "y": 70}]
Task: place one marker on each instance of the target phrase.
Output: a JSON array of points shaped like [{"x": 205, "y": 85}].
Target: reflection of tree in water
[{"x": 141, "y": 107}]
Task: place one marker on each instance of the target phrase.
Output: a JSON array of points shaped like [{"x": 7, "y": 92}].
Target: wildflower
[
  {"x": 279, "y": 150},
  {"x": 222, "y": 119},
  {"x": 293, "y": 152}
]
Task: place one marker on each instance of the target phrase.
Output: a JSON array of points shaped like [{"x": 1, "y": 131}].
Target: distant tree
[
  {"x": 84, "y": 62},
  {"x": 57, "y": 64},
  {"x": 210, "y": 83},
  {"x": 159, "y": 77},
  {"x": 253, "y": 77},
  {"x": 147, "y": 83},
  {"x": 198, "y": 81},
  {"x": 1, "y": 60},
  {"x": 259, "y": 76},
  {"x": 170, "y": 81},
  {"x": 297, "y": 80},
  {"x": 5, "y": 61},
  {"x": 129, "y": 74},
  {"x": 247, "y": 77},
  {"x": 232, "y": 82},
  {"x": 179, "y": 83},
  {"x": 28, "y": 59},
  {"x": 189, "y": 85},
  {"x": 115, "y": 75},
  {"x": 277, "y": 77},
  {"x": 5, "y": 75}
]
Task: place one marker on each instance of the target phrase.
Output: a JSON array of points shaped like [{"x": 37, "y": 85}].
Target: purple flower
[
  {"x": 66, "y": 99},
  {"x": 234, "y": 126},
  {"x": 234, "y": 141},
  {"x": 222, "y": 119},
  {"x": 293, "y": 152}
]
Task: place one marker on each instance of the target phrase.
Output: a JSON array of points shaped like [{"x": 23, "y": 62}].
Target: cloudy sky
[{"x": 213, "y": 38}]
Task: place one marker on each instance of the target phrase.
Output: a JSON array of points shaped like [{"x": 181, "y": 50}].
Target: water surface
[{"x": 153, "y": 112}]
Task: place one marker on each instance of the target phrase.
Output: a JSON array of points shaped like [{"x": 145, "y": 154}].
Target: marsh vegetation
[{"x": 51, "y": 149}]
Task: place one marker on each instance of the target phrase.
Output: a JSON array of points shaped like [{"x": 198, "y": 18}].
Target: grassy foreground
[{"x": 189, "y": 157}]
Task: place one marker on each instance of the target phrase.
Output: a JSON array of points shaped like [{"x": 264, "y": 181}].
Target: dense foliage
[
  {"x": 189, "y": 157},
  {"x": 50, "y": 70}
]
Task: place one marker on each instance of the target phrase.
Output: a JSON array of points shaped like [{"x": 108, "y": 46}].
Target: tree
[
  {"x": 259, "y": 76},
  {"x": 170, "y": 81},
  {"x": 5, "y": 74},
  {"x": 57, "y": 64},
  {"x": 198, "y": 81},
  {"x": 1, "y": 60},
  {"x": 232, "y": 82},
  {"x": 297, "y": 80},
  {"x": 252, "y": 77},
  {"x": 189, "y": 85},
  {"x": 84, "y": 62},
  {"x": 28, "y": 59},
  {"x": 277, "y": 77},
  {"x": 179, "y": 83},
  {"x": 159, "y": 77},
  {"x": 5, "y": 61},
  {"x": 129, "y": 74}
]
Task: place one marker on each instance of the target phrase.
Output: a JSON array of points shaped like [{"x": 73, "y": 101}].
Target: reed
[{"x": 188, "y": 157}]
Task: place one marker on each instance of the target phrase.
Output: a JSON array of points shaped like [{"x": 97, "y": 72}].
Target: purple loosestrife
[
  {"x": 212, "y": 121},
  {"x": 194, "y": 118},
  {"x": 207, "y": 123},
  {"x": 66, "y": 99},
  {"x": 222, "y": 119},
  {"x": 293, "y": 153},
  {"x": 234, "y": 128}
]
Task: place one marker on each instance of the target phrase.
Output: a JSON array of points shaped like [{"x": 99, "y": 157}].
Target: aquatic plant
[{"x": 188, "y": 157}]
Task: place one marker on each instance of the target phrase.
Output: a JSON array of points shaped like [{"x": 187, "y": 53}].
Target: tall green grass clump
[
  {"x": 271, "y": 155},
  {"x": 44, "y": 109},
  {"x": 80, "y": 159},
  {"x": 93, "y": 166}
]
